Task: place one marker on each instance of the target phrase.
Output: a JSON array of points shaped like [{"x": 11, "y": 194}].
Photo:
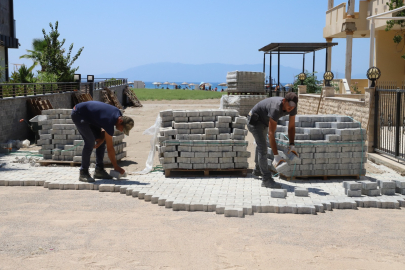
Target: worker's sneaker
[
  {"x": 101, "y": 174},
  {"x": 85, "y": 176},
  {"x": 270, "y": 183}
]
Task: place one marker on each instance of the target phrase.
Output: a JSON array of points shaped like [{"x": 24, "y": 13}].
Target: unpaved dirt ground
[{"x": 58, "y": 229}]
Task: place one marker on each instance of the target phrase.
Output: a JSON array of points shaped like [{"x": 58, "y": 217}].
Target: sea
[{"x": 150, "y": 85}]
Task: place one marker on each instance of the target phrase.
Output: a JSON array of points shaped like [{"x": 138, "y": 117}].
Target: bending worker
[
  {"x": 96, "y": 121},
  {"x": 262, "y": 122}
]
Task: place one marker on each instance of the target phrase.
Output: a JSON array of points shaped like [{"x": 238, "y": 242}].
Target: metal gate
[{"x": 389, "y": 131}]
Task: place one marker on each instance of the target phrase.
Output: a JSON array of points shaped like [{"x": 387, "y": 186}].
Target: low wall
[
  {"x": 355, "y": 108},
  {"x": 14, "y": 109},
  {"x": 119, "y": 92},
  {"x": 352, "y": 96}
]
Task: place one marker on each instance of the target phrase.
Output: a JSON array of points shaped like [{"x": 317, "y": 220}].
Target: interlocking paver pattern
[{"x": 230, "y": 196}]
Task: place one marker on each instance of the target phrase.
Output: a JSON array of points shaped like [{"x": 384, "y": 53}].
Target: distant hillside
[{"x": 177, "y": 72}]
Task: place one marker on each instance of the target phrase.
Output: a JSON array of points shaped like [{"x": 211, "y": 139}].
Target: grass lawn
[{"x": 175, "y": 94}]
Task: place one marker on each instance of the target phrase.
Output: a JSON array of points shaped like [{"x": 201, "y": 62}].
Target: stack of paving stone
[
  {"x": 400, "y": 187},
  {"x": 251, "y": 83},
  {"x": 387, "y": 187},
  {"x": 61, "y": 141},
  {"x": 242, "y": 103},
  {"x": 245, "y": 81},
  {"x": 328, "y": 145},
  {"x": 203, "y": 140},
  {"x": 369, "y": 188},
  {"x": 352, "y": 188}
]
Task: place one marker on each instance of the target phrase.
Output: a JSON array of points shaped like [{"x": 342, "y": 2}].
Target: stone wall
[
  {"x": 361, "y": 111},
  {"x": 14, "y": 109}
]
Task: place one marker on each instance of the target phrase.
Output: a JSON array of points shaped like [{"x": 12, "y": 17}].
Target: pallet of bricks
[
  {"x": 245, "y": 89},
  {"x": 61, "y": 141},
  {"x": 203, "y": 140},
  {"x": 328, "y": 145}
]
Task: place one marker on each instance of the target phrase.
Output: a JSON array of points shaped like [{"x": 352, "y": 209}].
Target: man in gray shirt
[{"x": 262, "y": 123}]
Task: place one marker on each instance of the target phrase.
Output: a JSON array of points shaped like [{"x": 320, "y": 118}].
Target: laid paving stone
[
  {"x": 106, "y": 188},
  {"x": 301, "y": 192},
  {"x": 239, "y": 196},
  {"x": 353, "y": 193},
  {"x": 278, "y": 193}
]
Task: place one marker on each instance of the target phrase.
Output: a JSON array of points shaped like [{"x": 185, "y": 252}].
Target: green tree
[
  {"x": 22, "y": 75},
  {"x": 54, "y": 59},
  {"x": 312, "y": 83},
  {"x": 38, "y": 47},
  {"x": 399, "y": 36}
]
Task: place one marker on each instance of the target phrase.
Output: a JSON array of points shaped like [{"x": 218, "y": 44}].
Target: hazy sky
[{"x": 121, "y": 34}]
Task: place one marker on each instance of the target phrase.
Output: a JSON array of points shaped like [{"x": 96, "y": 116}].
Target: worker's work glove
[
  {"x": 277, "y": 160},
  {"x": 291, "y": 149}
]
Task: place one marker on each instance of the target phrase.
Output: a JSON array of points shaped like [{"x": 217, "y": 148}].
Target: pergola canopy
[{"x": 296, "y": 47}]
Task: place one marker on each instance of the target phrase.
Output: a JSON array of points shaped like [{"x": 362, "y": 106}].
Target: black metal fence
[
  {"x": 282, "y": 93},
  {"x": 13, "y": 90},
  {"x": 28, "y": 89},
  {"x": 389, "y": 131},
  {"x": 109, "y": 83}
]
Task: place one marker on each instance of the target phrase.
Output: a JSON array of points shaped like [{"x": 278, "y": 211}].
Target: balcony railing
[
  {"x": 12, "y": 90},
  {"x": 34, "y": 89}
]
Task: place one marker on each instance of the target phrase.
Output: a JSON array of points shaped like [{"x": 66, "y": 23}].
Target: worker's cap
[
  {"x": 128, "y": 124},
  {"x": 292, "y": 99}
]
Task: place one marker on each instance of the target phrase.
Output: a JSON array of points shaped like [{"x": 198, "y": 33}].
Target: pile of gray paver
[
  {"x": 328, "y": 145},
  {"x": 203, "y": 139},
  {"x": 244, "y": 82},
  {"x": 61, "y": 141},
  {"x": 242, "y": 103},
  {"x": 368, "y": 188}
]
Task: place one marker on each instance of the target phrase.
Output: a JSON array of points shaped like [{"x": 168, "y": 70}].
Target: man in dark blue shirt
[{"x": 96, "y": 121}]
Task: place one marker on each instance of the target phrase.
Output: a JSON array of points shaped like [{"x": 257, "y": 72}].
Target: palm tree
[{"x": 35, "y": 55}]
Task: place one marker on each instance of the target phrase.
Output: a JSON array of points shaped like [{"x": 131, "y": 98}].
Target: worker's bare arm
[
  {"x": 272, "y": 133},
  {"x": 291, "y": 129}
]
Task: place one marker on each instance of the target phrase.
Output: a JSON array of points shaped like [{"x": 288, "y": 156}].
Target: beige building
[{"x": 342, "y": 21}]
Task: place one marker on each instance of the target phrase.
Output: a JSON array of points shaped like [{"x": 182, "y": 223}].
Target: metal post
[
  {"x": 303, "y": 63},
  {"x": 1, "y": 91},
  {"x": 326, "y": 60},
  {"x": 313, "y": 64},
  {"x": 6, "y": 62},
  {"x": 264, "y": 63},
  {"x": 376, "y": 117},
  {"x": 270, "y": 79},
  {"x": 91, "y": 87},
  {"x": 397, "y": 123},
  {"x": 278, "y": 73}
]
